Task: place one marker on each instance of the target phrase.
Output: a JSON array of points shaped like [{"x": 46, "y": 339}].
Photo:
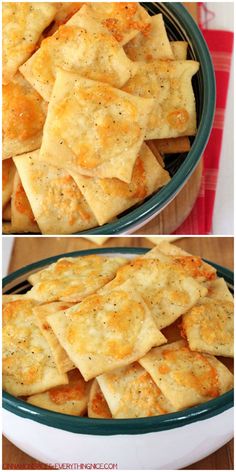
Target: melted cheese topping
[
  {"x": 186, "y": 377},
  {"x": 62, "y": 361},
  {"x": 136, "y": 189},
  {"x": 69, "y": 399},
  {"x": 22, "y": 217},
  {"x": 192, "y": 370},
  {"x": 22, "y": 112},
  {"x": 119, "y": 315},
  {"x": 123, "y": 19},
  {"x": 106, "y": 331},
  {"x": 57, "y": 203},
  {"x": 109, "y": 197},
  {"x": 169, "y": 83},
  {"x": 131, "y": 393},
  {"x": 73, "y": 279},
  {"x": 22, "y": 25},
  {"x": 166, "y": 289},
  {"x": 75, "y": 390},
  {"x": 152, "y": 45},
  {"x": 21, "y": 202},
  {"x": 28, "y": 366},
  {"x": 209, "y": 327},
  {"x": 66, "y": 11},
  {"x": 82, "y": 46},
  {"x": 8, "y": 172},
  {"x": 98, "y": 129},
  {"x": 115, "y": 123},
  {"x": 192, "y": 265},
  {"x": 97, "y": 405}
]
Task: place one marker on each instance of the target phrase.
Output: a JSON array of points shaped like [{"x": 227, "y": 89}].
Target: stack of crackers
[
  {"x": 116, "y": 338},
  {"x": 94, "y": 96}
]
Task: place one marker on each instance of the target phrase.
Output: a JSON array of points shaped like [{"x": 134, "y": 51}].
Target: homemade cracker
[
  {"x": 124, "y": 20},
  {"x": 219, "y": 290},
  {"x": 28, "y": 365},
  {"x": 24, "y": 114},
  {"x": 169, "y": 83},
  {"x": 106, "y": 331},
  {"x": 97, "y": 405},
  {"x": 131, "y": 393},
  {"x": 180, "y": 50},
  {"x": 187, "y": 378},
  {"x": 62, "y": 361},
  {"x": 22, "y": 217},
  {"x": 72, "y": 279},
  {"x": 22, "y": 25},
  {"x": 193, "y": 265},
  {"x": 166, "y": 289},
  {"x": 209, "y": 327},
  {"x": 109, "y": 197},
  {"x": 81, "y": 46},
  {"x": 151, "y": 46},
  {"x": 8, "y": 173},
  {"x": 71, "y": 399},
  {"x": 93, "y": 128},
  {"x": 57, "y": 203}
]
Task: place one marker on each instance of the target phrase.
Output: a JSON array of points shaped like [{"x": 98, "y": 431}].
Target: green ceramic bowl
[
  {"x": 170, "y": 441},
  {"x": 180, "y": 26},
  {"x": 17, "y": 283}
]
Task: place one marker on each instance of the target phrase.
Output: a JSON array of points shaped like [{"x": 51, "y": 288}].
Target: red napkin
[{"x": 199, "y": 221}]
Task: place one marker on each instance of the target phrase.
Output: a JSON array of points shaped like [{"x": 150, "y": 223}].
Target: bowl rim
[
  {"x": 137, "y": 217},
  {"x": 108, "y": 427}
]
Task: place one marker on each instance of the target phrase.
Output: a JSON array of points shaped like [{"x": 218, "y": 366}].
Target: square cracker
[
  {"x": 65, "y": 11},
  {"x": 108, "y": 198},
  {"x": 22, "y": 217},
  {"x": 97, "y": 405},
  {"x": 169, "y": 145},
  {"x": 57, "y": 203},
  {"x": 209, "y": 326},
  {"x": 71, "y": 399},
  {"x": 186, "y": 378},
  {"x": 62, "y": 361},
  {"x": 169, "y": 83},
  {"x": 131, "y": 393},
  {"x": 93, "y": 128},
  {"x": 24, "y": 114},
  {"x": 124, "y": 20},
  {"x": 8, "y": 173},
  {"x": 180, "y": 50},
  {"x": 153, "y": 45},
  {"x": 22, "y": 23},
  {"x": 193, "y": 265},
  {"x": 219, "y": 290},
  {"x": 106, "y": 331},
  {"x": 28, "y": 365},
  {"x": 82, "y": 46},
  {"x": 73, "y": 278},
  {"x": 6, "y": 213},
  {"x": 166, "y": 289}
]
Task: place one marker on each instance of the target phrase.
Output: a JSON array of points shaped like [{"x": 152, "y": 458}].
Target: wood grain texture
[
  {"x": 30, "y": 249},
  {"x": 172, "y": 217}
]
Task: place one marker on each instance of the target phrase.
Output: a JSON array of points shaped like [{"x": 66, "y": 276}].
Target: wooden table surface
[{"x": 30, "y": 249}]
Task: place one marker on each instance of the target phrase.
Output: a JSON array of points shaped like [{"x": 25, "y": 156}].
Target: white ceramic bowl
[{"x": 170, "y": 441}]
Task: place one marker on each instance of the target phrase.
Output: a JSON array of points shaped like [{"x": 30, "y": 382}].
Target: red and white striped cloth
[{"x": 220, "y": 44}]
